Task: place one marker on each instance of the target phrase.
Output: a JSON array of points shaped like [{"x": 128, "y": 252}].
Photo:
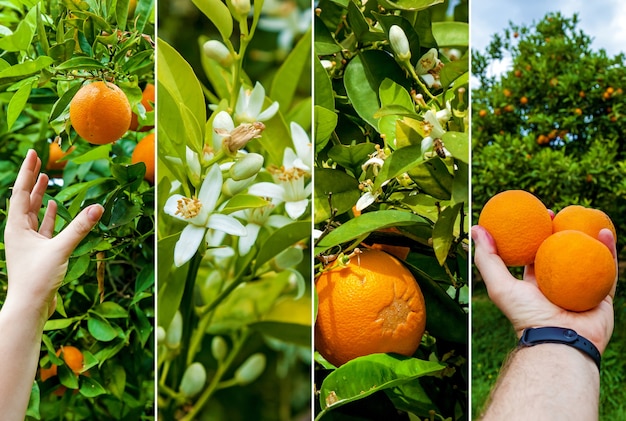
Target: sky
[{"x": 603, "y": 20}]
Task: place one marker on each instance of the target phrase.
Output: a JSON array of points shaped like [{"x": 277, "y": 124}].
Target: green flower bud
[
  {"x": 242, "y": 7},
  {"x": 251, "y": 369},
  {"x": 160, "y": 335},
  {"x": 232, "y": 187},
  {"x": 219, "y": 348},
  {"x": 399, "y": 43},
  {"x": 217, "y": 51},
  {"x": 174, "y": 331},
  {"x": 247, "y": 166},
  {"x": 193, "y": 380}
]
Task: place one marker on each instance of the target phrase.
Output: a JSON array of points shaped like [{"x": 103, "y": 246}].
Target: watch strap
[{"x": 560, "y": 335}]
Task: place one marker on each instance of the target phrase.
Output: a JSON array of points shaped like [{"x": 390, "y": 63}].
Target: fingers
[
  {"x": 36, "y": 196},
  {"x": 493, "y": 270},
  {"x": 47, "y": 225},
  {"x": 79, "y": 228},
  {"x": 21, "y": 195},
  {"x": 606, "y": 237}
]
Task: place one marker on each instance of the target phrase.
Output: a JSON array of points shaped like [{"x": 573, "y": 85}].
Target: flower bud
[
  {"x": 193, "y": 380},
  {"x": 246, "y": 167},
  {"x": 242, "y": 7},
  {"x": 217, "y": 51},
  {"x": 251, "y": 369},
  {"x": 232, "y": 187},
  {"x": 219, "y": 348},
  {"x": 174, "y": 331},
  {"x": 399, "y": 43},
  {"x": 160, "y": 335}
]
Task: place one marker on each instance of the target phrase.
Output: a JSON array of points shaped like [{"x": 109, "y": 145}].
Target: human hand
[
  {"x": 37, "y": 262},
  {"x": 524, "y": 304}
]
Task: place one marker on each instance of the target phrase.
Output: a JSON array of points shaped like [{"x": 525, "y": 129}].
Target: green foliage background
[{"x": 47, "y": 51}]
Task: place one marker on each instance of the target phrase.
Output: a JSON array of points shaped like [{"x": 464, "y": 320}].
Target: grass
[{"x": 493, "y": 339}]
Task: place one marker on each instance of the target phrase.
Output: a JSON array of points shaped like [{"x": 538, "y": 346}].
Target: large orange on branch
[
  {"x": 100, "y": 113},
  {"x": 370, "y": 305}
]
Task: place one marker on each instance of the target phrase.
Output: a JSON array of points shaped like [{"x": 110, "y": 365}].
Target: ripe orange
[
  {"x": 370, "y": 305},
  {"x": 144, "y": 152},
  {"x": 518, "y": 223},
  {"x": 574, "y": 270},
  {"x": 588, "y": 220},
  {"x": 55, "y": 155},
  {"x": 482, "y": 113},
  {"x": 100, "y": 113},
  {"x": 147, "y": 99},
  {"x": 523, "y": 100},
  {"x": 73, "y": 359}
]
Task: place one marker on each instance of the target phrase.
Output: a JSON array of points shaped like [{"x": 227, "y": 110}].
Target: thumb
[
  {"x": 79, "y": 227},
  {"x": 493, "y": 270}
]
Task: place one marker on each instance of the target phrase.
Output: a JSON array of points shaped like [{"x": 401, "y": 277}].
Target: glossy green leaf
[
  {"x": 23, "y": 35},
  {"x": 91, "y": 388},
  {"x": 324, "y": 42},
  {"x": 351, "y": 156},
  {"x": 443, "y": 232},
  {"x": 325, "y": 123},
  {"x": 67, "y": 377},
  {"x": 81, "y": 63},
  {"x": 62, "y": 103},
  {"x": 360, "y": 27},
  {"x": 324, "y": 96},
  {"x": 281, "y": 239},
  {"x": 433, "y": 178},
  {"x": 288, "y": 75},
  {"x": 458, "y": 144},
  {"x": 17, "y": 104},
  {"x": 411, "y": 5},
  {"x": 399, "y": 162},
  {"x": 243, "y": 201},
  {"x": 77, "y": 268},
  {"x": 371, "y": 374},
  {"x": 218, "y": 13},
  {"x": 92, "y": 154},
  {"x": 345, "y": 192},
  {"x": 33, "y": 402},
  {"x": 451, "y": 34},
  {"x": 364, "y": 224},
  {"x": 453, "y": 71},
  {"x": 461, "y": 184},
  {"x": 57, "y": 324},
  {"x": 143, "y": 13},
  {"x": 111, "y": 310},
  {"x": 101, "y": 329}
]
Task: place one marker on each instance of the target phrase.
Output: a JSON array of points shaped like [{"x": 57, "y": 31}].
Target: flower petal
[
  {"x": 223, "y": 122},
  {"x": 227, "y": 224},
  {"x": 302, "y": 143},
  {"x": 187, "y": 244},
  {"x": 269, "y": 112},
  {"x": 211, "y": 188},
  {"x": 277, "y": 221},
  {"x": 365, "y": 200},
  {"x": 296, "y": 209},
  {"x": 255, "y": 101},
  {"x": 171, "y": 206},
  {"x": 289, "y": 157},
  {"x": 266, "y": 189},
  {"x": 246, "y": 242}
]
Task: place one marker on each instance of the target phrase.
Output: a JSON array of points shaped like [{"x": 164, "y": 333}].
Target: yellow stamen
[{"x": 188, "y": 208}]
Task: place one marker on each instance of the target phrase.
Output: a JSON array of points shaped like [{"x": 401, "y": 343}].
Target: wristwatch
[{"x": 560, "y": 335}]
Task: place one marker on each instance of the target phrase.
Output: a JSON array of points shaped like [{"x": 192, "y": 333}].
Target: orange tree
[
  {"x": 48, "y": 51},
  {"x": 553, "y": 123},
  {"x": 391, "y": 168}
]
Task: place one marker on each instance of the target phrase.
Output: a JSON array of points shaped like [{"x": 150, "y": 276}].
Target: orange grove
[
  {"x": 144, "y": 152},
  {"x": 370, "y": 305}
]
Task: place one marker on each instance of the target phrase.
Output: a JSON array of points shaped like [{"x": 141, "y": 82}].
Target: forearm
[
  {"x": 546, "y": 382},
  {"x": 20, "y": 342}
]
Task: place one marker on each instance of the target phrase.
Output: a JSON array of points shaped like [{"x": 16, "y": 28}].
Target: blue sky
[{"x": 603, "y": 20}]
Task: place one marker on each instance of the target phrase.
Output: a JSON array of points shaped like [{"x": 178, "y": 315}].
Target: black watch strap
[{"x": 560, "y": 335}]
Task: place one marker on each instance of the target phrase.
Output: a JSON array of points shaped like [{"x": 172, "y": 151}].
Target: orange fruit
[
  {"x": 147, "y": 100},
  {"x": 144, "y": 152},
  {"x": 574, "y": 270},
  {"x": 482, "y": 113},
  {"x": 588, "y": 220},
  {"x": 73, "y": 359},
  {"x": 100, "y": 113},
  {"x": 54, "y": 157},
  {"x": 370, "y": 305},
  {"x": 518, "y": 223}
]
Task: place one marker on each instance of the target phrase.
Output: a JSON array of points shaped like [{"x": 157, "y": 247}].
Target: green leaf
[
  {"x": 323, "y": 95},
  {"x": 218, "y": 13},
  {"x": 62, "y": 103},
  {"x": 143, "y": 13},
  {"x": 325, "y": 123},
  {"x": 433, "y": 178},
  {"x": 457, "y": 143},
  {"x": 92, "y": 154},
  {"x": 243, "y": 201},
  {"x": 399, "y": 162},
  {"x": 33, "y": 402},
  {"x": 324, "y": 43},
  {"x": 286, "y": 332},
  {"x": 363, "y": 77},
  {"x": 387, "y": 21},
  {"x": 412, "y": 5},
  {"x": 344, "y": 189},
  {"x": 23, "y": 35},
  {"x": 81, "y": 63},
  {"x": 101, "y": 329},
  {"x": 67, "y": 377},
  {"x": 90, "y": 388},
  {"x": 351, "y": 156},
  {"x": 371, "y": 374},
  {"x": 288, "y": 75},
  {"x": 364, "y": 224},
  {"x": 17, "y": 104},
  {"x": 111, "y": 310},
  {"x": 453, "y": 71},
  {"x": 281, "y": 239},
  {"x": 451, "y": 34},
  {"x": 443, "y": 232},
  {"x": 58, "y": 324}
]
